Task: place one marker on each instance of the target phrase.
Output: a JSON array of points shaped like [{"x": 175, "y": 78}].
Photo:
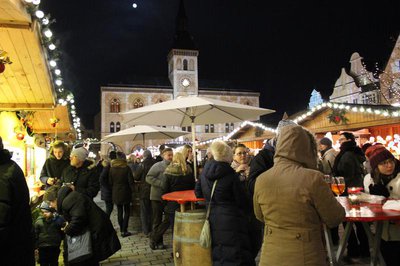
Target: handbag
[
  {"x": 205, "y": 234},
  {"x": 79, "y": 247}
]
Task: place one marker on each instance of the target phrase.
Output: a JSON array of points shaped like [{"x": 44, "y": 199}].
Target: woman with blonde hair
[{"x": 178, "y": 176}]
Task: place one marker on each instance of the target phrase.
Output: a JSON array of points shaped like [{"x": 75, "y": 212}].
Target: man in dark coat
[
  {"x": 81, "y": 175},
  {"x": 56, "y": 163},
  {"x": 82, "y": 213},
  {"x": 229, "y": 227},
  {"x": 16, "y": 231},
  {"x": 144, "y": 191},
  {"x": 349, "y": 164}
]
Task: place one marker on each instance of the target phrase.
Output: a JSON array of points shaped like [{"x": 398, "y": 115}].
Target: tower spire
[{"x": 182, "y": 39}]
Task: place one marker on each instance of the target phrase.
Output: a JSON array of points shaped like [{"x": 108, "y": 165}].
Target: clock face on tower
[{"x": 185, "y": 82}]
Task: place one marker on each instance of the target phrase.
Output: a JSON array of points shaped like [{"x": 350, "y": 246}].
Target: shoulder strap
[{"x": 209, "y": 204}]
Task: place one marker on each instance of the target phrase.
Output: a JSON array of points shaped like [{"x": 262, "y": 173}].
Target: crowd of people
[{"x": 273, "y": 204}]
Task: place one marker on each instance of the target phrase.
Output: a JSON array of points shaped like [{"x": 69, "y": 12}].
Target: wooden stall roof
[
  {"x": 317, "y": 121},
  {"x": 26, "y": 83}
]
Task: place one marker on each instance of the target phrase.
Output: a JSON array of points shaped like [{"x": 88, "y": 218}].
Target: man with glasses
[{"x": 349, "y": 164}]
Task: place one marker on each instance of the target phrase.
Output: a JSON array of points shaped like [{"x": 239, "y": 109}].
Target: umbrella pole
[
  {"x": 194, "y": 149},
  {"x": 144, "y": 145}
]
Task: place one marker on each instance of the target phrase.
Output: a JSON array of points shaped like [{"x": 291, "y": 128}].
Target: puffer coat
[
  {"x": 229, "y": 232},
  {"x": 121, "y": 182},
  {"x": 293, "y": 201},
  {"x": 82, "y": 213}
]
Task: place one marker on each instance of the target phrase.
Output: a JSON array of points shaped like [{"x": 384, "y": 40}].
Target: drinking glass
[{"x": 338, "y": 186}]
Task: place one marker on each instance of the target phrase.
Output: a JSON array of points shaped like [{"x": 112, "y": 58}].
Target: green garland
[{"x": 338, "y": 116}]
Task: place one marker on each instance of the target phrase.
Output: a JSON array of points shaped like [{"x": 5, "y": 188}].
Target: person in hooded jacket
[
  {"x": 81, "y": 174},
  {"x": 293, "y": 201},
  {"x": 122, "y": 184},
  {"x": 54, "y": 165},
  {"x": 81, "y": 213},
  {"x": 349, "y": 164},
  {"x": 16, "y": 230},
  {"x": 228, "y": 222}
]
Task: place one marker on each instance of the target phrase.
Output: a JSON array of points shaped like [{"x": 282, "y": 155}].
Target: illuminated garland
[
  {"x": 337, "y": 116},
  {"x": 64, "y": 96}
]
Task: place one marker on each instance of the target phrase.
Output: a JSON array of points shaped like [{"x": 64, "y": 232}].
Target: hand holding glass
[{"x": 338, "y": 186}]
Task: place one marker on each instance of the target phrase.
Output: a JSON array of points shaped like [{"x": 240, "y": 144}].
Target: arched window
[
  {"x": 232, "y": 125},
  {"x": 179, "y": 64},
  {"x": 189, "y": 129},
  {"x": 191, "y": 64},
  {"x": 211, "y": 128},
  {"x": 185, "y": 64},
  {"x": 183, "y": 128},
  {"x": 112, "y": 127},
  {"x": 117, "y": 126},
  {"x": 115, "y": 106},
  {"x": 207, "y": 128},
  {"x": 226, "y": 127},
  {"x": 137, "y": 103}
]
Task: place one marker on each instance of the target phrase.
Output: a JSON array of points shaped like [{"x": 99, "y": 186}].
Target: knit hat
[
  {"x": 284, "y": 123},
  {"x": 81, "y": 153},
  {"x": 377, "y": 154},
  {"x": 147, "y": 154},
  {"x": 45, "y": 206},
  {"x": 326, "y": 142}
]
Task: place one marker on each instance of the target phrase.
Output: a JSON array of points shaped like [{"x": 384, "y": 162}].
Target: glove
[{"x": 379, "y": 189}]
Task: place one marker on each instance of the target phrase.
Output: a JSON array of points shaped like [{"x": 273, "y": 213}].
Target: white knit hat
[{"x": 81, "y": 153}]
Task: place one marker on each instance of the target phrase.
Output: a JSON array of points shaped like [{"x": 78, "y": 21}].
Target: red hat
[{"x": 377, "y": 154}]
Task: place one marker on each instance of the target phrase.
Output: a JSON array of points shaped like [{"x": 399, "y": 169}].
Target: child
[{"x": 48, "y": 235}]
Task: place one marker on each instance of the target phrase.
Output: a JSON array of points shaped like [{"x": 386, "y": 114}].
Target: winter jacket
[
  {"x": 155, "y": 178},
  {"x": 47, "y": 233},
  {"x": 53, "y": 168},
  {"x": 327, "y": 161},
  {"x": 349, "y": 164},
  {"x": 16, "y": 231},
  {"x": 229, "y": 231},
  {"x": 293, "y": 201},
  {"x": 105, "y": 188},
  {"x": 263, "y": 161},
  {"x": 85, "y": 178},
  {"x": 176, "y": 180},
  {"x": 82, "y": 213},
  {"x": 121, "y": 182},
  {"x": 140, "y": 176}
]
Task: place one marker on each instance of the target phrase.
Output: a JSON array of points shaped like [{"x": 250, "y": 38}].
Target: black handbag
[{"x": 79, "y": 247}]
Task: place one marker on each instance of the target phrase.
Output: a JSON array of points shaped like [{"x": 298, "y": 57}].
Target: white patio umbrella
[
  {"x": 192, "y": 110},
  {"x": 143, "y": 132}
]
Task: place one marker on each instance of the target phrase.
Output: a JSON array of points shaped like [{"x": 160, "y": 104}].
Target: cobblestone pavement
[{"x": 135, "y": 249}]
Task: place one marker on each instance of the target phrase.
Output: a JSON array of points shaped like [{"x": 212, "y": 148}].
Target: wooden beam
[{"x": 25, "y": 106}]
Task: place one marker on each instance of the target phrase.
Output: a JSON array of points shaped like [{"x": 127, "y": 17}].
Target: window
[
  {"x": 191, "y": 64},
  {"x": 207, "y": 128},
  {"x": 354, "y": 100},
  {"x": 137, "y": 103},
  {"x": 183, "y": 128},
  {"x": 226, "y": 127},
  {"x": 232, "y": 125},
  {"x": 185, "y": 64},
  {"x": 115, "y": 106},
  {"x": 117, "y": 127},
  {"x": 189, "y": 129},
  {"x": 112, "y": 127},
  {"x": 212, "y": 128}
]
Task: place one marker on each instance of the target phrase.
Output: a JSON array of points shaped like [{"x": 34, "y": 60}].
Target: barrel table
[{"x": 187, "y": 228}]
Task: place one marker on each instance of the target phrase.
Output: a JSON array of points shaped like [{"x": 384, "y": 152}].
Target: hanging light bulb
[
  {"x": 53, "y": 63},
  {"x": 36, "y": 2},
  {"x": 48, "y": 33},
  {"x": 57, "y": 72},
  {"x": 39, "y": 14},
  {"x": 45, "y": 21},
  {"x": 58, "y": 82},
  {"x": 52, "y": 46}
]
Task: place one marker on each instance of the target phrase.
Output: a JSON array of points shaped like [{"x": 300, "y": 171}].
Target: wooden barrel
[{"x": 187, "y": 228}]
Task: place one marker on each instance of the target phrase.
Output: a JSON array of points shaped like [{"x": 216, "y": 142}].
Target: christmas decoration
[
  {"x": 4, "y": 59},
  {"x": 20, "y": 136},
  {"x": 338, "y": 116},
  {"x": 54, "y": 121}
]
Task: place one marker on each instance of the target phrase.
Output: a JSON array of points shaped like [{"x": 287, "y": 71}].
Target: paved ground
[{"x": 136, "y": 251}]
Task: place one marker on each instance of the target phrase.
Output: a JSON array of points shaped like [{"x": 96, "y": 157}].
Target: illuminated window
[
  {"x": 112, "y": 127},
  {"x": 115, "y": 106}
]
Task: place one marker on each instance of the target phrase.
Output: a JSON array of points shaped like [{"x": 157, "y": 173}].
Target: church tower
[{"x": 182, "y": 59}]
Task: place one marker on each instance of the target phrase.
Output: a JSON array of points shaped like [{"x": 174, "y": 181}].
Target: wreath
[{"x": 338, "y": 116}]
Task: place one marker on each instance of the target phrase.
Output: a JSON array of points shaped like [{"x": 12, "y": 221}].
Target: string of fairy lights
[{"x": 64, "y": 96}]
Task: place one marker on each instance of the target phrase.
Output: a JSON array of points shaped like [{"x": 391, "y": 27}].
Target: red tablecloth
[{"x": 182, "y": 196}]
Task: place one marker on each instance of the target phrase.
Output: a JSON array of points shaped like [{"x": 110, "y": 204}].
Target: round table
[{"x": 182, "y": 197}]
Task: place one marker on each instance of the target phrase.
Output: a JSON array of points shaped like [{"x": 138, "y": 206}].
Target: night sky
[{"x": 283, "y": 49}]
